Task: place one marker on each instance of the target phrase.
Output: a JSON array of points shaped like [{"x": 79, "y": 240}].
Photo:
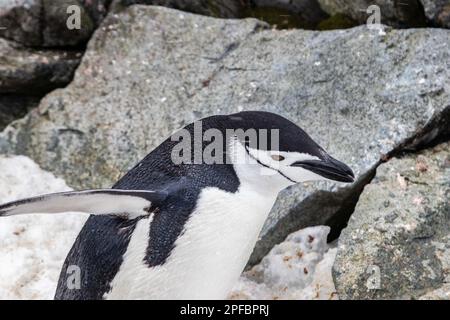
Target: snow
[
  {"x": 33, "y": 248},
  {"x": 298, "y": 268}
]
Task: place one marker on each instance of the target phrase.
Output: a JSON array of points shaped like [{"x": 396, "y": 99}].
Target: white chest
[{"x": 208, "y": 257}]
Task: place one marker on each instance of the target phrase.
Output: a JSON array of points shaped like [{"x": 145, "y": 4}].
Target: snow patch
[
  {"x": 33, "y": 247},
  {"x": 298, "y": 268}
]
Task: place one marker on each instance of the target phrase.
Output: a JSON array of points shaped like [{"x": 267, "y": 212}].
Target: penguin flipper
[{"x": 128, "y": 204}]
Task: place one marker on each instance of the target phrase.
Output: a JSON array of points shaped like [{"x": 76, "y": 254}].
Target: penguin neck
[
  {"x": 214, "y": 247},
  {"x": 254, "y": 176},
  {"x": 207, "y": 257},
  {"x": 216, "y": 241},
  {"x": 219, "y": 237}
]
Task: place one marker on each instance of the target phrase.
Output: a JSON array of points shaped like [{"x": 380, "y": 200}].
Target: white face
[
  {"x": 271, "y": 169},
  {"x": 279, "y": 162}
]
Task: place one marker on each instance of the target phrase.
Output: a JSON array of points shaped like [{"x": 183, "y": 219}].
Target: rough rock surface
[
  {"x": 438, "y": 12},
  {"x": 150, "y": 70},
  {"x": 397, "y": 243},
  {"x": 405, "y": 13},
  {"x": 28, "y": 71},
  {"x": 44, "y": 22}
]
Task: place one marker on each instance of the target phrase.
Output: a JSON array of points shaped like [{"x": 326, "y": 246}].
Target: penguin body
[
  {"x": 203, "y": 263},
  {"x": 188, "y": 229}
]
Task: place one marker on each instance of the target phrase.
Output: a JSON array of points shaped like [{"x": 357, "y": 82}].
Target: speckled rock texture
[
  {"x": 397, "y": 243},
  {"x": 150, "y": 70}
]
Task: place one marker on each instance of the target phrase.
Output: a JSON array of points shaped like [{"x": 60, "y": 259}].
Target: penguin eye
[{"x": 277, "y": 157}]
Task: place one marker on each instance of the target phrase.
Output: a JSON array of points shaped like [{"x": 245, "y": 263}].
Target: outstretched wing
[{"x": 128, "y": 204}]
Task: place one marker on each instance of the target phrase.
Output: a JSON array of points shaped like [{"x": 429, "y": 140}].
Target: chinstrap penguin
[{"x": 184, "y": 231}]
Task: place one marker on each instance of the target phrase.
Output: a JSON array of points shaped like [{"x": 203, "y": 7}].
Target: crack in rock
[{"x": 343, "y": 202}]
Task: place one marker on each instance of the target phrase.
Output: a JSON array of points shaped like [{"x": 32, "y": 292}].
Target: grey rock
[
  {"x": 216, "y": 8},
  {"x": 150, "y": 70},
  {"x": 438, "y": 12},
  {"x": 306, "y": 7},
  {"x": 54, "y": 30},
  {"x": 20, "y": 21},
  {"x": 405, "y": 13},
  {"x": 34, "y": 72},
  {"x": 304, "y": 14},
  {"x": 97, "y": 9},
  {"x": 280, "y": 13},
  {"x": 401, "y": 251},
  {"x": 44, "y": 22}
]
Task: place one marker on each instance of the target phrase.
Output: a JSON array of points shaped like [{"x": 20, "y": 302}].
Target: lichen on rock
[{"x": 397, "y": 243}]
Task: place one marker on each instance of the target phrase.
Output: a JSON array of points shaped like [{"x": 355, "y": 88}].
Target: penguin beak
[{"x": 329, "y": 168}]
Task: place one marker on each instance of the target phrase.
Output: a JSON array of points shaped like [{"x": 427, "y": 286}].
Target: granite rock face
[
  {"x": 397, "y": 243},
  {"x": 148, "y": 71}
]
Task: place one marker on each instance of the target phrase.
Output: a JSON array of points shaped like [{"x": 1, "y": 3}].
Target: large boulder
[
  {"x": 405, "y": 13},
  {"x": 397, "y": 243},
  {"x": 285, "y": 14},
  {"x": 20, "y": 21},
  {"x": 28, "y": 74},
  {"x": 151, "y": 70},
  {"x": 44, "y": 22},
  {"x": 29, "y": 71},
  {"x": 438, "y": 12},
  {"x": 218, "y": 8},
  {"x": 279, "y": 13}
]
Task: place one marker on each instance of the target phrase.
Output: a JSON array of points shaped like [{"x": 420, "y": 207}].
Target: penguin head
[
  {"x": 280, "y": 152},
  {"x": 268, "y": 150},
  {"x": 285, "y": 153}
]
